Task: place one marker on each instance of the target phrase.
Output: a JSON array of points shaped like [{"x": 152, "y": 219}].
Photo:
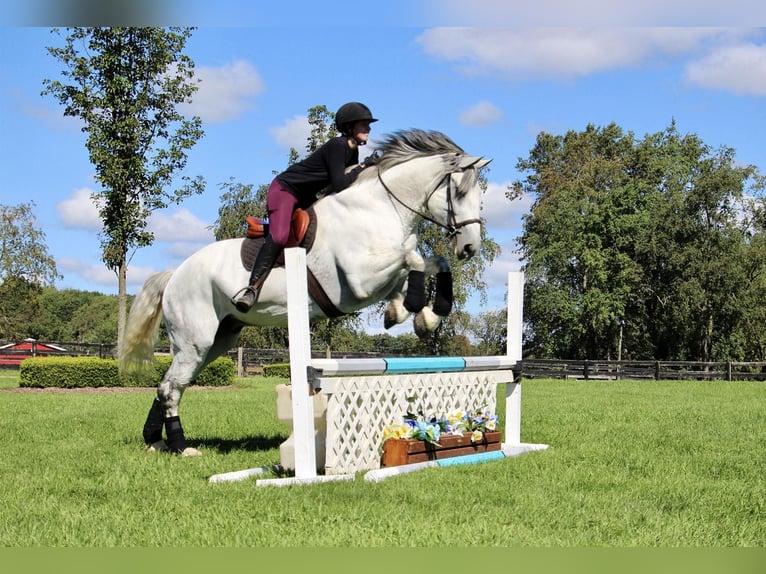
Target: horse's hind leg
[
  {"x": 155, "y": 421},
  {"x": 186, "y": 364},
  {"x": 164, "y": 410}
]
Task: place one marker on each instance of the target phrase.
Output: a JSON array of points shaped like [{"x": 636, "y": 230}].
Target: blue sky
[{"x": 489, "y": 74}]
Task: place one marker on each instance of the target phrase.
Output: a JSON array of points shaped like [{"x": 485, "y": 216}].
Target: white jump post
[
  {"x": 513, "y": 350},
  {"x": 298, "y": 330}
]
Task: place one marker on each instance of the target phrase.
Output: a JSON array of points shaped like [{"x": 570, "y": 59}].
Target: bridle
[{"x": 452, "y": 226}]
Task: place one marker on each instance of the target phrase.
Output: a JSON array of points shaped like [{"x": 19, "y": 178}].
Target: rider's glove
[{"x": 371, "y": 159}]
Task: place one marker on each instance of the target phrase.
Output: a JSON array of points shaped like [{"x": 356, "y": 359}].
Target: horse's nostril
[{"x": 468, "y": 251}]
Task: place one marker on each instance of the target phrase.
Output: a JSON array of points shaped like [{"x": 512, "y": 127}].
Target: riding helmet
[{"x": 350, "y": 113}]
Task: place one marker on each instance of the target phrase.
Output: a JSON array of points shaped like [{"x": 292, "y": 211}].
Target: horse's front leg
[
  {"x": 395, "y": 312},
  {"x": 430, "y": 317},
  {"x": 408, "y": 295}
]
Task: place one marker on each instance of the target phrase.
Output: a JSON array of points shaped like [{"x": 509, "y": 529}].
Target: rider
[{"x": 300, "y": 184}]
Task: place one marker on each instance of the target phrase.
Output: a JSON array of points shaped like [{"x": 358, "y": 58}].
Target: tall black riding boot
[{"x": 267, "y": 256}]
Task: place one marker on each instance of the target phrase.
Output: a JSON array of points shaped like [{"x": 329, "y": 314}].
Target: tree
[
  {"x": 238, "y": 201},
  {"x": 125, "y": 85},
  {"x": 638, "y": 246},
  {"x": 490, "y": 330},
  {"x": 25, "y": 268},
  {"x": 71, "y": 315}
]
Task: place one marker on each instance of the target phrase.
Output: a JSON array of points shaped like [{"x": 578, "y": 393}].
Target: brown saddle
[
  {"x": 302, "y": 232},
  {"x": 299, "y": 226}
]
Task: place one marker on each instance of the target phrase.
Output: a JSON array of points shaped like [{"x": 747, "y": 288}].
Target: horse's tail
[{"x": 140, "y": 336}]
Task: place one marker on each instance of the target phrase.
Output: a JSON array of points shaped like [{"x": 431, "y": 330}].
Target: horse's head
[
  {"x": 456, "y": 203},
  {"x": 441, "y": 185}
]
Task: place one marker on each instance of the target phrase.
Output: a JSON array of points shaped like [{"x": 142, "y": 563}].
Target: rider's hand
[{"x": 371, "y": 159}]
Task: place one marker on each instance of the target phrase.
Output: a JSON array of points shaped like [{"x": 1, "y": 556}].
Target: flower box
[{"x": 397, "y": 451}]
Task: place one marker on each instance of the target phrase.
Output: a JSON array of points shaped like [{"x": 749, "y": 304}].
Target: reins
[{"x": 452, "y": 226}]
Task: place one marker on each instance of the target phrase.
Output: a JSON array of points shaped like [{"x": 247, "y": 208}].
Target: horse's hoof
[
  {"x": 394, "y": 314},
  {"x": 389, "y": 317},
  {"x": 426, "y": 322},
  {"x": 159, "y": 446},
  {"x": 419, "y": 326},
  {"x": 189, "y": 451}
]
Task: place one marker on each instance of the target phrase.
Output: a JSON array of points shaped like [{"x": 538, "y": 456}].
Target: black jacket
[{"x": 325, "y": 167}]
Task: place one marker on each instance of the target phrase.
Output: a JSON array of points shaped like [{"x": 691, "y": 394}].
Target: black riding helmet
[{"x": 352, "y": 112}]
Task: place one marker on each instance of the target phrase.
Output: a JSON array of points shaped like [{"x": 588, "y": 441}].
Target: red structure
[{"x": 12, "y": 354}]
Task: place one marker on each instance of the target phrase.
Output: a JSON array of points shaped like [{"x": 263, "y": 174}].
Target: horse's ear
[
  {"x": 482, "y": 162},
  {"x": 468, "y": 161}
]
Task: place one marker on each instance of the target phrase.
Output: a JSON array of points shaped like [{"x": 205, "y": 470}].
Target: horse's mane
[{"x": 404, "y": 145}]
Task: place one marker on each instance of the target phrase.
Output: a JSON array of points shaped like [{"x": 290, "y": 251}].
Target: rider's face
[{"x": 361, "y": 130}]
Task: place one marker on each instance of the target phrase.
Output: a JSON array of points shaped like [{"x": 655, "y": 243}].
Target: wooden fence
[
  {"x": 640, "y": 370},
  {"x": 251, "y": 361}
]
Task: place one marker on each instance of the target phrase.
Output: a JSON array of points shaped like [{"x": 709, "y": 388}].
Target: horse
[{"x": 364, "y": 251}]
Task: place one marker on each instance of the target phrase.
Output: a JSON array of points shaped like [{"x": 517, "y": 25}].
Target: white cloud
[
  {"x": 79, "y": 211},
  {"x": 225, "y": 92},
  {"x": 504, "y": 224},
  {"x": 92, "y": 273},
  {"x": 181, "y": 225},
  {"x": 500, "y": 213},
  {"x": 483, "y": 113},
  {"x": 562, "y": 53},
  {"x": 597, "y": 13},
  {"x": 183, "y": 249},
  {"x": 98, "y": 274},
  {"x": 740, "y": 69},
  {"x": 295, "y": 133}
]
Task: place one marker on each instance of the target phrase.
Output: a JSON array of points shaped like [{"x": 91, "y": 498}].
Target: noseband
[{"x": 452, "y": 226}]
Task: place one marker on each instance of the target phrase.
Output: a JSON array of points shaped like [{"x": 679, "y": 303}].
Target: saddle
[
  {"x": 302, "y": 233},
  {"x": 302, "y": 229},
  {"x": 301, "y": 220}
]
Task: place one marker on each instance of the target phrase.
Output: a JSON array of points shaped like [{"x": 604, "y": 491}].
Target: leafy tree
[
  {"x": 25, "y": 268},
  {"x": 641, "y": 238},
  {"x": 322, "y": 122},
  {"x": 490, "y": 331},
  {"x": 391, "y": 346},
  {"x": 125, "y": 85},
  {"x": 71, "y": 315},
  {"x": 238, "y": 201}
]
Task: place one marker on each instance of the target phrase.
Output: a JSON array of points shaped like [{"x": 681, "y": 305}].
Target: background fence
[
  {"x": 251, "y": 361},
  {"x": 652, "y": 370}
]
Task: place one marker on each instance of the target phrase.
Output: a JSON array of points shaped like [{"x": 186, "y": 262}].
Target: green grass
[
  {"x": 630, "y": 464},
  {"x": 9, "y": 379}
]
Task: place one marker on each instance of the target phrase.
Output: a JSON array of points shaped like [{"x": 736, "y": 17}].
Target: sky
[{"x": 491, "y": 74}]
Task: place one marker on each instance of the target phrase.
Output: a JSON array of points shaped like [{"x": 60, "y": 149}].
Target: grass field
[{"x": 630, "y": 464}]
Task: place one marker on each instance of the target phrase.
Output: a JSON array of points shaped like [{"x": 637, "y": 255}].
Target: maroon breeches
[{"x": 280, "y": 205}]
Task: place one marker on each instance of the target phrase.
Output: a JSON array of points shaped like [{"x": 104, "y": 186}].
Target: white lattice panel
[{"x": 359, "y": 408}]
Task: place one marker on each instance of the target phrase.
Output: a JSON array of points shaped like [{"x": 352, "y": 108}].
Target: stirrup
[{"x": 241, "y": 305}]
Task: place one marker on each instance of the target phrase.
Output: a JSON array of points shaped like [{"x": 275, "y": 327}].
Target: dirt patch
[{"x": 102, "y": 390}]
